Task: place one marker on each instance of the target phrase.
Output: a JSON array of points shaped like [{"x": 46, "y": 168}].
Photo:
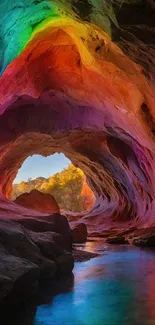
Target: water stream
[{"x": 116, "y": 288}]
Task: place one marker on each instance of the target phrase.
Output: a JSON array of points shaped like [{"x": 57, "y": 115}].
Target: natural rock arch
[{"x": 70, "y": 89}]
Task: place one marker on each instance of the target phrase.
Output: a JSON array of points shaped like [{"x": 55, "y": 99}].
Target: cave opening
[
  {"x": 59, "y": 105},
  {"x": 52, "y": 184},
  {"x": 77, "y": 79}
]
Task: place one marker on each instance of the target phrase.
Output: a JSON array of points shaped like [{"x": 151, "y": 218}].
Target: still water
[{"x": 116, "y": 288}]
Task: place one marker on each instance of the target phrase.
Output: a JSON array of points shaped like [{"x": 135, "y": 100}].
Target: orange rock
[
  {"x": 88, "y": 197},
  {"x": 38, "y": 201}
]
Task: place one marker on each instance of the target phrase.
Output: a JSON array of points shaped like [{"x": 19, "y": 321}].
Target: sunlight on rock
[{"x": 77, "y": 78}]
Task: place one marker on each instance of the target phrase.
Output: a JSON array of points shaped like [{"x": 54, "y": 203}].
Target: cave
[{"x": 79, "y": 79}]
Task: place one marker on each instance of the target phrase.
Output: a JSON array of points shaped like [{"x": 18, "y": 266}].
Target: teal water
[{"x": 117, "y": 288}]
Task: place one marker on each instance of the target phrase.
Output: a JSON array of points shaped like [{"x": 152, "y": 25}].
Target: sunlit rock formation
[
  {"x": 78, "y": 78},
  {"x": 87, "y": 196},
  {"x": 38, "y": 201}
]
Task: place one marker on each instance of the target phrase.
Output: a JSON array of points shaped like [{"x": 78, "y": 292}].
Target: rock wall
[
  {"x": 78, "y": 78},
  {"x": 30, "y": 251}
]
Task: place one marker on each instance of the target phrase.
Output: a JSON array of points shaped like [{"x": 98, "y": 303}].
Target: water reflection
[
  {"x": 48, "y": 290},
  {"x": 25, "y": 313},
  {"x": 114, "y": 289}
]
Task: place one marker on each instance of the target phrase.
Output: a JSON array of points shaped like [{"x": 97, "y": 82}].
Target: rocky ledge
[
  {"x": 31, "y": 251},
  {"x": 82, "y": 256},
  {"x": 144, "y": 237}
]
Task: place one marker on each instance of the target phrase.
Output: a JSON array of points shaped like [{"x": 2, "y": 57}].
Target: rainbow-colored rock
[{"x": 71, "y": 83}]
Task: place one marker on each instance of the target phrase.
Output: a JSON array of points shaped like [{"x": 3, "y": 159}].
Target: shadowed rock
[
  {"x": 119, "y": 240},
  {"x": 143, "y": 237},
  {"x": 79, "y": 233},
  {"x": 26, "y": 257},
  {"x": 144, "y": 241},
  {"x": 81, "y": 256}
]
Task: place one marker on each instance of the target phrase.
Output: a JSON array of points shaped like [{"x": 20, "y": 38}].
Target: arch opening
[
  {"x": 78, "y": 81},
  {"x": 52, "y": 184},
  {"x": 113, "y": 167}
]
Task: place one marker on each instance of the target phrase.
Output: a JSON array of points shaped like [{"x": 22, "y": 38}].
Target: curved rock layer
[
  {"x": 38, "y": 201},
  {"x": 78, "y": 78}
]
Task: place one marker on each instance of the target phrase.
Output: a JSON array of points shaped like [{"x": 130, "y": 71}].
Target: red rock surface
[
  {"x": 87, "y": 196},
  {"x": 86, "y": 89},
  {"x": 38, "y": 201},
  {"x": 96, "y": 106}
]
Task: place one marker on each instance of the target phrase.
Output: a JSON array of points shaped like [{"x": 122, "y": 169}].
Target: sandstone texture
[
  {"x": 84, "y": 88},
  {"x": 77, "y": 77}
]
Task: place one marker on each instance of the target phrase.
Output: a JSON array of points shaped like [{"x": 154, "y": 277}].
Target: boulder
[
  {"x": 17, "y": 242},
  {"x": 56, "y": 223},
  {"x": 27, "y": 257},
  {"x": 53, "y": 246},
  {"x": 20, "y": 263},
  {"x": 38, "y": 201},
  {"x": 79, "y": 233},
  {"x": 18, "y": 277}
]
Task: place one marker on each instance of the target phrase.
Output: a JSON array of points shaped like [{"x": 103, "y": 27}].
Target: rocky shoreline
[
  {"x": 37, "y": 249},
  {"x": 31, "y": 250},
  {"x": 82, "y": 256},
  {"x": 144, "y": 237}
]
